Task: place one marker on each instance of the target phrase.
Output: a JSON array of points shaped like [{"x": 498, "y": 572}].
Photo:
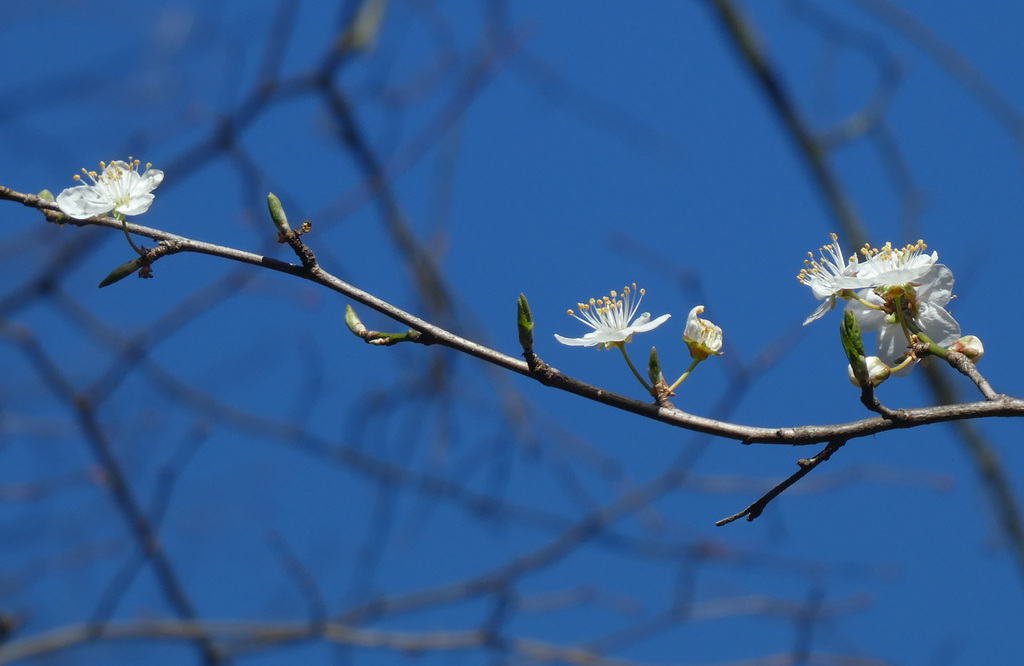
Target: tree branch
[{"x": 540, "y": 371}]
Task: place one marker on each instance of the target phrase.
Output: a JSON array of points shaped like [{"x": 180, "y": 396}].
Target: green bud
[
  {"x": 121, "y": 272},
  {"x": 853, "y": 345},
  {"x": 46, "y": 194},
  {"x": 654, "y": 368},
  {"x": 277, "y": 215},
  {"x": 353, "y": 322},
  {"x": 524, "y": 321}
]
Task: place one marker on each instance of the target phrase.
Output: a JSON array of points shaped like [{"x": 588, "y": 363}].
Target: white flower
[
  {"x": 887, "y": 266},
  {"x": 611, "y": 317},
  {"x": 833, "y": 276},
  {"x": 119, "y": 188},
  {"x": 924, "y": 304},
  {"x": 830, "y": 277},
  {"x": 702, "y": 337}
]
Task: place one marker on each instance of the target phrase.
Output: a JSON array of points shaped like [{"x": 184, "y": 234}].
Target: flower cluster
[{"x": 900, "y": 293}]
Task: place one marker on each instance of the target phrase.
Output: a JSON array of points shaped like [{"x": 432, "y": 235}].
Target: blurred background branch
[{"x": 207, "y": 467}]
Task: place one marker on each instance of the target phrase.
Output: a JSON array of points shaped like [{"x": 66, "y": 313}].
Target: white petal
[
  {"x": 137, "y": 205},
  {"x": 83, "y": 202},
  {"x": 642, "y": 324},
  {"x": 869, "y": 319},
  {"x": 821, "y": 311},
  {"x": 938, "y": 324},
  {"x": 937, "y": 286},
  {"x": 586, "y": 341},
  {"x": 892, "y": 343},
  {"x": 148, "y": 181}
]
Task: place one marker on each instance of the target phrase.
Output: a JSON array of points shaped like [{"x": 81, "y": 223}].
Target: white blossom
[
  {"x": 888, "y": 266},
  {"x": 612, "y": 318},
  {"x": 830, "y": 276},
  {"x": 118, "y": 187},
  {"x": 923, "y": 303},
  {"x": 833, "y": 276},
  {"x": 878, "y": 371}
]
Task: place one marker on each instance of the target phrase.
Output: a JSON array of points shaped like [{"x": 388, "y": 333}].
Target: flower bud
[
  {"x": 970, "y": 346},
  {"x": 524, "y": 322},
  {"x": 701, "y": 336},
  {"x": 654, "y": 368},
  {"x": 278, "y": 216},
  {"x": 877, "y": 371},
  {"x": 853, "y": 345},
  {"x": 353, "y": 322},
  {"x": 121, "y": 272}
]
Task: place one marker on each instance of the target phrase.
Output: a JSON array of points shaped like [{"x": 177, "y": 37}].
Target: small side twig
[
  {"x": 870, "y": 400},
  {"x": 967, "y": 368},
  {"x": 142, "y": 263},
  {"x": 302, "y": 251},
  {"x": 806, "y": 465},
  {"x": 355, "y": 324}
]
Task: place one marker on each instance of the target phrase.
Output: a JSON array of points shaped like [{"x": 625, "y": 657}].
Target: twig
[
  {"x": 806, "y": 465},
  {"x": 967, "y": 368},
  {"x": 870, "y": 400},
  {"x": 550, "y": 376}
]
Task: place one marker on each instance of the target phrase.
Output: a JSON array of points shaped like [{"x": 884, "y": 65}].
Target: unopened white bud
[
  {"x": 970, "y": 346},
  {"x": 878, "y": 371}
]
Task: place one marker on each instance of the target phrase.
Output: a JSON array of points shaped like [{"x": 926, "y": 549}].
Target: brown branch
[
  {"x": 870, "y": 400},
  {"x": 1004, "y": 406},
  {"x": 967, "y": 367},
  {"x": 806, "y": 465}
]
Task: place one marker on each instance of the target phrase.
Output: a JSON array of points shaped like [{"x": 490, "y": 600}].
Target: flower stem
[
  {"x": 866, "y": 303},
  {"x": 907, "y": 360},
  {"x": 636, "y": 373},
  {"x": 686, "y": 374},
  {"x": 904, "y": 322},
  {"x": 124, "y": 226}
]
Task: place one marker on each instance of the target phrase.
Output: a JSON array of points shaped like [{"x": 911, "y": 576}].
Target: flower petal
[
  {"x": 869, "y": 319},
  {"x": 148, "y": 182},
  {"x": 937, "y": 286},
  {"x": 83, "y": 202},
  {"x": 586, "y": 341},
  {"x": 822, "y": 310},
  {"x": 892, "y": 344},
  {"x": 938, "y": 324},
  {"x": 643, "y": 323},
  {"x": 137, "y": 205}
]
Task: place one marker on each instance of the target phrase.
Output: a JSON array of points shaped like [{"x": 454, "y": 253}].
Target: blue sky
[{"x": 559, "y": 150}]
